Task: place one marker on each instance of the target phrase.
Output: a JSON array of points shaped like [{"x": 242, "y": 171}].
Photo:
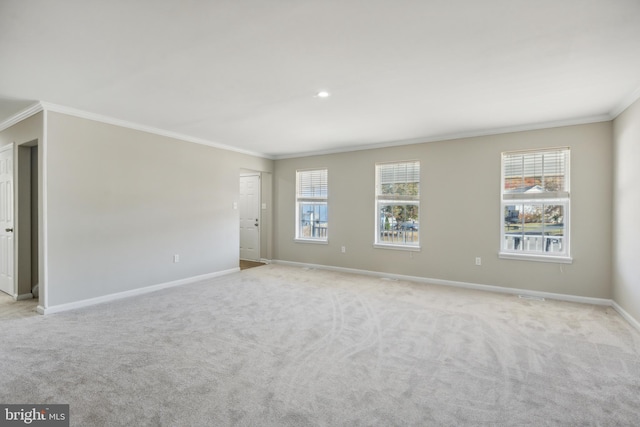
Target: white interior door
[
  {"x": 250, "y": 217},
  {"x": 6, "y": 220}
]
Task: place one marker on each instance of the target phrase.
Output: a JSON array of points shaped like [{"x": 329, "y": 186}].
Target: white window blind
[
  {"x": 312, "y": 184},
  {"x": 390, "y": 173},
  {"x": 534, "y": 175},
  {"x": 398, "y": 181}
]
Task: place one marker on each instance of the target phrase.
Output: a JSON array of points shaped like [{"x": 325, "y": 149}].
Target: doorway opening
[
  {"x": 245, "y": 265},
  {"x": 27, "y": 228}
]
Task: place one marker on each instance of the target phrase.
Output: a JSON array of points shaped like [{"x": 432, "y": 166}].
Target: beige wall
[
  {"x": 460, "y": 212},
  {"x": 266, "y": 216},
  {"x": 121, "y": 202},
  {"x": 626, "y": 216},
  {"x": 24, "y": 131}
]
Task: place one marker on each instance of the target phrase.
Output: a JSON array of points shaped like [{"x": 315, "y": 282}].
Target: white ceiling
[{"x": 244, "y": 73}]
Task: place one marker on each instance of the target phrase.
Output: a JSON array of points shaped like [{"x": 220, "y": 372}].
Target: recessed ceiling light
[{"x": 323, "y": 94}]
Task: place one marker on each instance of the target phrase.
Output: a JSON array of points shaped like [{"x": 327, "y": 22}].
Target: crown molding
[
  {"x": 448, "y": 137},
  {"x": 47, "y": 106},
  {"x": 625, "y": 103},
  {"x": 34, "y": 108}
]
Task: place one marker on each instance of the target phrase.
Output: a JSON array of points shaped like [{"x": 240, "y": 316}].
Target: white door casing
[
  {"x": 250, "y": 217},
  {"x": 6, "y": 220}
]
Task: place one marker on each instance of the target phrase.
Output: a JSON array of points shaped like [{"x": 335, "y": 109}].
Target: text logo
[{"x": 34, "y": 415}]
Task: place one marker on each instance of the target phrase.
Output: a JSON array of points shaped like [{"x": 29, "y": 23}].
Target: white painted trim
[
  {"x": 44, "y": 106},
  {"x": 47, "y": 106},
  {"x": 265, "y": 261},
  {"x": 14, "y": 167},
  {"x": 43, "y": 149},
  {"x": 625, "y": 103},
  {"x": 143, "y": 128},
  {"x": 465, "y": 285},
  {"x": 448, "y": 137},
  {"x": 313, "y": 242},
  {"x": 626, "y": 316},
  {"x": 133, "y": 292},
  {"x": 397, "y": 247},
  {"x": 21, "y": 115},
  {"x": 534, "y": 257}
]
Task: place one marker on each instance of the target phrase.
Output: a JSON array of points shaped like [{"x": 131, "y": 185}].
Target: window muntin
[
  {"x": 311, "y": 205},
  {"x": 535, "y": 203},
  {"x": 398, "y": 204}
]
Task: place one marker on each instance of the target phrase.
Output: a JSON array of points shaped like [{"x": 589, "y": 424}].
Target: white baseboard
[
  {"x": 626, "y": 316},
  {"x": 489, "y": 288},
  {"x": 24, "y": 296},
  {"x": 265, "y": 261},
  {"x": 465, "y": 285},
  {"x": 133, "y": 292}
]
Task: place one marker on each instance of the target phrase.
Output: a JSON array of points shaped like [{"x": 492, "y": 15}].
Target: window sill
[
  {"x": 538, "y": 258},
  {"x": 312, "y": 241},
  {"x": 397, "y": 247}
]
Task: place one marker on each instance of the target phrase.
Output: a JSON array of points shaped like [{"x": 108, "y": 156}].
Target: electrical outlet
[
  {"x": 478, "y": 260},
  {"x": 176, "y": 258},
  {"x": 344, "y": 249}
]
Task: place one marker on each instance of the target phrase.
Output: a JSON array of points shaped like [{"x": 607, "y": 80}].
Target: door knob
[{"x": 9, "y": 230}]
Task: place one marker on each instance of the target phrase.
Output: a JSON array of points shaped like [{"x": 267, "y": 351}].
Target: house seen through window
[{"x": 311, "y": 205}]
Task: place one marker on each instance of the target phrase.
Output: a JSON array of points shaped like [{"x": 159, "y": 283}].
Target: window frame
[
  {"x": 314, "y": 200},
  {"x": 559, "y": 198},
  {"x": 411, "y": 200}
]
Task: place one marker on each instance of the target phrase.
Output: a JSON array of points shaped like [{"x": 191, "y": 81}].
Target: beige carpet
[
  {"x": 11, "y": 309},
  {"x": 276, "y": 345}
]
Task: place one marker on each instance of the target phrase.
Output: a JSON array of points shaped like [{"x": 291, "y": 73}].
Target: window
[
  {"x": 535, "y": 205},
  {"x": 311, "y": 205},
  {"x": 398, "y": 205}
]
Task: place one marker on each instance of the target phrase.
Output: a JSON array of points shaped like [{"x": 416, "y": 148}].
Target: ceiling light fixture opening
[{"x": 323, "y": 94}]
